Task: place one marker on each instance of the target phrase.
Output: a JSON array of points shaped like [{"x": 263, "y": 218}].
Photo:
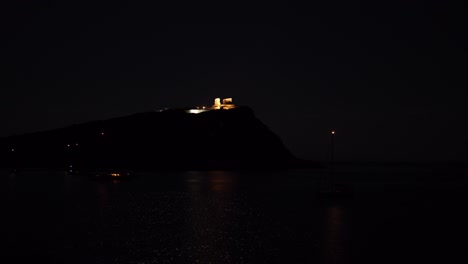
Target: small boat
[{"x": 111, "y": 175}]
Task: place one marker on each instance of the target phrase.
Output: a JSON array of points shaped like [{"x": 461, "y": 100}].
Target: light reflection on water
[
  {"x": 212, "y": 181},
  {"x": 336, "y": 234},
  {"x": 221, "y": 217},
  {"x": 102, "y": 194},
  {"x": 223, "y": 181},
  {"x": 210, "y": 225}
]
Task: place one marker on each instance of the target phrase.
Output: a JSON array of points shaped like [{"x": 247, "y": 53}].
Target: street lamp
[{"x": 332, "y": 157}]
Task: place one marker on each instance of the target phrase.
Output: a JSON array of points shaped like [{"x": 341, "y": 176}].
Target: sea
[{"x": 393, "y": 214}]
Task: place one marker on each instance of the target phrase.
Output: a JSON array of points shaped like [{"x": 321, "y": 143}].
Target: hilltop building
[{"x": 225, "y": 105}]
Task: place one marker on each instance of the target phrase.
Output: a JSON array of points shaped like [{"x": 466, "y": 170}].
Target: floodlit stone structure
[
  {"x": 217, "y": 103},
  {"x": 225, "y": 105}
]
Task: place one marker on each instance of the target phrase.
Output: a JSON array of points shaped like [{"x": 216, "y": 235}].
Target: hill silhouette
[{"x": 172, "y": 139}]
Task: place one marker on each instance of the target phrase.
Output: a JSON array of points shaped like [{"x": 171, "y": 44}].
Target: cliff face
[{"x": 171, "y": 139}]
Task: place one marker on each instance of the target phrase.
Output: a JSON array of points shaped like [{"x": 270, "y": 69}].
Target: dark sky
[{"x": 388, "y": 76}]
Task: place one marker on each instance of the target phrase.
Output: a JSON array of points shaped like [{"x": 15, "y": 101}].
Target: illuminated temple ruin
[{"x": 225, "y": 104}]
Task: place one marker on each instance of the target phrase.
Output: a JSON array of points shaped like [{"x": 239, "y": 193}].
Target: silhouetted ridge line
[{"x": 171, "y": 139}]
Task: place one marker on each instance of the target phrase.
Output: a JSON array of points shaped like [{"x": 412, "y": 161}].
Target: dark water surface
[{"x": 397, "y": 215}]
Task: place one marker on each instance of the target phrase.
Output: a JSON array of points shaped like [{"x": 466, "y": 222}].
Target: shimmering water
[{"x": 397, "y": 215}]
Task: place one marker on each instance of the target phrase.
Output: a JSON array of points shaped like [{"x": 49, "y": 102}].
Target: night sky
[{"x": 388, "y": 76}]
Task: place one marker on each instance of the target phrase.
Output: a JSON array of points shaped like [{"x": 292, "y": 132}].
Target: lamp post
[
  {"x": 332, "y": 157},
  {"x": 14, "y": 159}
]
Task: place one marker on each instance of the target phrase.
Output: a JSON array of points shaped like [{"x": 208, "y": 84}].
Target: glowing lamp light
[
  {"x": 195, "y": 111},
  {"x": 68, "y": 145},
  {"x": 333, "y": 132},
  {"x": 13, "y": 150},
  {"x": 115, "y": 174}
]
